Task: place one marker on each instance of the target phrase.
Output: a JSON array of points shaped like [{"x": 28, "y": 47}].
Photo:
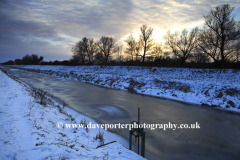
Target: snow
[
  {"x": 219, "y": 88},
  {"x": 28, "y": 130}
]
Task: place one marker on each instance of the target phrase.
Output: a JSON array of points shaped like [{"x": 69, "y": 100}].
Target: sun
[{"x": 157, "y": 34}]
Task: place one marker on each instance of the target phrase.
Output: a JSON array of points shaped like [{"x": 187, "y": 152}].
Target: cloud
[{"x": 19, "y": 37}]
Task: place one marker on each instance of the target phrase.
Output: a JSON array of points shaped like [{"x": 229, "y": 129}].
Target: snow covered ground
[
  {"x": 29, "y": 129},
  {"x": 219, "y": 88}
]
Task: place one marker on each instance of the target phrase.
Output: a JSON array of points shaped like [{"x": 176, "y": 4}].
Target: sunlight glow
[{"x": 158, "y": 35}]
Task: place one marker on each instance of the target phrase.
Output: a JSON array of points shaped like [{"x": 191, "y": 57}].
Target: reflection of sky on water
[{"x": 111, "y": 110}]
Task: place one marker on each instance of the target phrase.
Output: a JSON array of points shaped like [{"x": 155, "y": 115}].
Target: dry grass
[{"x": 99, "y": 136}]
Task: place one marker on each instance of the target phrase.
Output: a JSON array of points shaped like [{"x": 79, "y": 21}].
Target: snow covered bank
[
  {"x": 219, "y": 88},
  {"x": 28, "y": 129}
]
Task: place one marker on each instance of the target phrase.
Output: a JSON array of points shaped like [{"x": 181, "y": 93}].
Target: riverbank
[
  {"x": 30, "y": 129},
  {"x": 210, "y": 87}
]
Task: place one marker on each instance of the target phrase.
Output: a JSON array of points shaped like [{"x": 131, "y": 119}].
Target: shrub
[
  {"x": 227, "y": 106},
  {"x": 131, "y": 89},
  {"x": 214, "y": 105},
  {"x": 174, "y": 95},
  {"x": 220, "y": 95},
  {"x": 154, "y": 70},
  {"x": 112, "y": 81},
  {"x": 132, "y": 85},
  {"x": 185, "y": 88},
  {"x": 205, "y": 104},
  {"x": 84, "y": 123},
  {"x": 206, "y": 93},
  {"x": 231, "y": 103},
  {"x": 41, "y": 94},
  {"x": 231, "y": 91},
  {"x": 99, "y": 136}
]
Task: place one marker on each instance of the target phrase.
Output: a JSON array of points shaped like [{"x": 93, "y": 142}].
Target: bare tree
[
  {"x": 138, "y": 49},
  {"x": 145, "y": 37},
  {"x": 98, "y": 58},
  {"x": 207, "y": 44},
  {"x": 224, "y": 32},
  {"x": 157, "y": 50},
  {"x": 131, "y": 45},
  {"x": 89, "y": 47},
  {"x": 106, "y": 46},
  {"x": 182, "y": 45},
  {"x": 79, "y": 51},
  {"x": 237, "y": 55},
  {"x": 119, "y": 51},
  {"x": 234, "y": 57},
  {"x": 200, "y": 57},
  {"x": 166, "y": 54}
]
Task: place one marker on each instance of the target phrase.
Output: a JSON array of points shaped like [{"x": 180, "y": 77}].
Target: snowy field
[
  {"x": 28, "y": 129},
  {"x": 219, "y": 88}
]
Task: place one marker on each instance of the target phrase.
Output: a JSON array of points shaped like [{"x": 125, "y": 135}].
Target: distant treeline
[
  {"x": 26, "y": 60},
  {"x": 157, "y": 63},
  {"x": 161, "y": 62}
]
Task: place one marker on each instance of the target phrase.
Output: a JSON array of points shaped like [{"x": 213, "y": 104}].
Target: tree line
[
  {"x": 218, "y": 43},
  {"x": 26, "y": 60}
]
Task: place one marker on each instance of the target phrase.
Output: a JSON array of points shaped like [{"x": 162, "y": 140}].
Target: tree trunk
[{"x": 144, "y": 52}]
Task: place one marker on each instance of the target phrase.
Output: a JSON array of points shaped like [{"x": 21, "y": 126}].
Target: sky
[{"x": 50, "y": 28}]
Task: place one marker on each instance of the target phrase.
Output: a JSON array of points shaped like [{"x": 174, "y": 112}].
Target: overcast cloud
[{"x": 51, "y": 27}]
